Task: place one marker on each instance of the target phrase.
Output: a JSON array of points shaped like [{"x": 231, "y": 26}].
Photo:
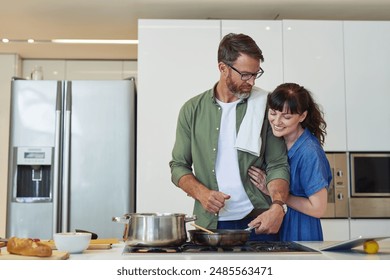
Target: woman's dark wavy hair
[{"x": 298, "y": 100}]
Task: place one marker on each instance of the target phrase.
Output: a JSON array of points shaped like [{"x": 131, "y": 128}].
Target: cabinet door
[
  {"x": 370, "y": 227},
  {"x": 177, "y": 59},
  {"x": 129, "y": 69},
  {"x": 268, "y": 36},
  {"x": 335, "y": 229},
  {"x": 93, "y": 70},
  {"x": 52, "y": 69},
  {"x": 367, "y": 68},
  {"x": 313, "y": 57}
]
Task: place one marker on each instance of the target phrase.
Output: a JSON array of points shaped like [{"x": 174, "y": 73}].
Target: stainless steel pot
[{"x": 154, "y": 229}]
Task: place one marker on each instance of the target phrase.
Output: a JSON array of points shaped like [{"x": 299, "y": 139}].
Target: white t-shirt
[{"x": 227, "y": 169}]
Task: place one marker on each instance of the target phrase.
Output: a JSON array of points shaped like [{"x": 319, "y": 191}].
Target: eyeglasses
[{"x": 248, "y": 76}]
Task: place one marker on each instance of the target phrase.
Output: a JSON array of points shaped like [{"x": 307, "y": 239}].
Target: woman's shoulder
[{"x": 311, "y": 150}]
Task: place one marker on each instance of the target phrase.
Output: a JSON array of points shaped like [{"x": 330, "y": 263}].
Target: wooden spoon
[{"x": 202, "y": 228}]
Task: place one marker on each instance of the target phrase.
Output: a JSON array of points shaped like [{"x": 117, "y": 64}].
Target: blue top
[{"x": 309, "y": 173}]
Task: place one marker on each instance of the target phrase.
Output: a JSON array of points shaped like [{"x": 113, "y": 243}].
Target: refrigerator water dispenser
[{"x": 33, "y": 174}]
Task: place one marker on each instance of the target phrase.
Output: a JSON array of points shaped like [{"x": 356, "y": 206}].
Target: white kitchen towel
[{"x": 248, "y": 137}]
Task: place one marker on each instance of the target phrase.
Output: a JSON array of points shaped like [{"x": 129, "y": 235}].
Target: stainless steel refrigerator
[{"x": 71, "y": 157}]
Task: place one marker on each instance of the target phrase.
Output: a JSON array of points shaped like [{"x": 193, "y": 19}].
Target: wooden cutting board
[
  {"x": 95, "y": 244},
  {"x": 57, "y": 255},
  {"x": 105, "y": 241},
  {"x": 2, "y": 244}
]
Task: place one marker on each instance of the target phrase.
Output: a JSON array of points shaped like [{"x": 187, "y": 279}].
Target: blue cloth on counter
[{"x": 309, "y": 173}]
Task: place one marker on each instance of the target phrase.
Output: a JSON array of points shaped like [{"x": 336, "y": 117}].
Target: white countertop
[
  {"x": 111, "y": 263},
  {"x": 115, "y": 253}
]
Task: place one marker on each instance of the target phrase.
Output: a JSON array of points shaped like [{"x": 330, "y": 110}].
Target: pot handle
[
  {"x": 190, "y": 219},
  {"x": 122, "y": 220},
  {"x": 125, "y": 219}
]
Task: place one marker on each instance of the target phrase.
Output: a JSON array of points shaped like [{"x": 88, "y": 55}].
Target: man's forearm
[
  {"x": 278, "y": 189},
  {"x": 189, "y": 184}
]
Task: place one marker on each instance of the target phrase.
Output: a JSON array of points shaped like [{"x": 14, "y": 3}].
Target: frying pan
[{"x": 220, "y": 237}]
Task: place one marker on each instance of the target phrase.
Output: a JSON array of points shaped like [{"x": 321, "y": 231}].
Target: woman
[{"x": 295, "y": 116}]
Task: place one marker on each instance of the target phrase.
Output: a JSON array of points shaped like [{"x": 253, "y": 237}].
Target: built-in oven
[
  {"x": 338, "y": 206},
  {"x": 370, "y": 185}
]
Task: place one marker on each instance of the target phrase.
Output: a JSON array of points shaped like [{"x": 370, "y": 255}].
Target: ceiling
[{"x": 117, "y": 19}]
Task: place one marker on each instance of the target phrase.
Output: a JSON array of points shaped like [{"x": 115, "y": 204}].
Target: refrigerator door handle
[
  {"x": 66, "y": 160},
  {"x": 57, "y": 151}
]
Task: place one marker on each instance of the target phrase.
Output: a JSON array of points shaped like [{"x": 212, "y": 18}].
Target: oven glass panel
[{"x": 371, "y": 175}]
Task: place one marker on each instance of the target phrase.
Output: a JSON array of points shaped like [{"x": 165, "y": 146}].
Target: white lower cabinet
[
  {"x": 344, "y": 229},
  {"x": 335, "y": 229},
  {"x": 370, "y": 227}
]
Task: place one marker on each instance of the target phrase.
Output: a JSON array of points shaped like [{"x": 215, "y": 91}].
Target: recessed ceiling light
[
  {"x": 93, "y": 41},
  {"x": 4, "y": 40}
]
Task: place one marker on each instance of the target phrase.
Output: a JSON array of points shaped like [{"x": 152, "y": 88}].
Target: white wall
[{"x": 10, "y": 67}]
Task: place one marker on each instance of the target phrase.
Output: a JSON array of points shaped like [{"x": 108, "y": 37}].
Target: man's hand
[
  {"x": 269, "y": 222},
  {"x": 212, "y": 201}
]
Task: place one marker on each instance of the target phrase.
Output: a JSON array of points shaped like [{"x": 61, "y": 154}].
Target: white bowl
[{"x": 72, "y": 242}]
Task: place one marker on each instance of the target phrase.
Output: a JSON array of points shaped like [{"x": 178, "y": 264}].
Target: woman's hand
[{"x": 258, "y": 178}]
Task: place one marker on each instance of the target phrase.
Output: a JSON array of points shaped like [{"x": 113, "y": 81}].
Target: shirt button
[
  {"x": 214, "y": 149},
  {"x": 217, "y": 128},
  {"x": 213, "y": 171}
]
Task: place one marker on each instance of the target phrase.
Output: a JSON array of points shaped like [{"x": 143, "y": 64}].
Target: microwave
[
  {"x": 370, "y": 185},
  {"x": 370, "y": 174}
]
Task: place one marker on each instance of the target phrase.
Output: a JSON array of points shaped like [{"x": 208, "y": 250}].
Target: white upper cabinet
[
  {"x": 130, "y": 69},
  {"x": 94, "y": 70},
  {"x": 51, "y": 69},
  {"x": 177, "y": 59},
  {"x": 268, "y": 36},
  {"x": 314, "y": 58},
  {"x": 367, "y": 72}
]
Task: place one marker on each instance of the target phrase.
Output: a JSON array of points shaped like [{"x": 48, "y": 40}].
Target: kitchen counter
[
  {"x": 355, "y": 254},
  {"x": 111, "y": 264}
]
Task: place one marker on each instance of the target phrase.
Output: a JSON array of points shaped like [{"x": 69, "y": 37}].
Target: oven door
[{"x": 370, "y": 207}]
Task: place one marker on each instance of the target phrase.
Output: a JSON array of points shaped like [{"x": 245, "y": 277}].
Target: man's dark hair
[{"x": 233, "y": 45}]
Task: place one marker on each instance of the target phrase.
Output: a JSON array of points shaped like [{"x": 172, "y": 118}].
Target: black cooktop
[{"x": 250, "y": 246}]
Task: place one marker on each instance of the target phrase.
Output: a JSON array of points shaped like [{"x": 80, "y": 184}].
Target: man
[{"x": 220, "y": 134}]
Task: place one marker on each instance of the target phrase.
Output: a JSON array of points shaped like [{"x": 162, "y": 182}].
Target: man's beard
[{"x": 237, "y": 91}]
